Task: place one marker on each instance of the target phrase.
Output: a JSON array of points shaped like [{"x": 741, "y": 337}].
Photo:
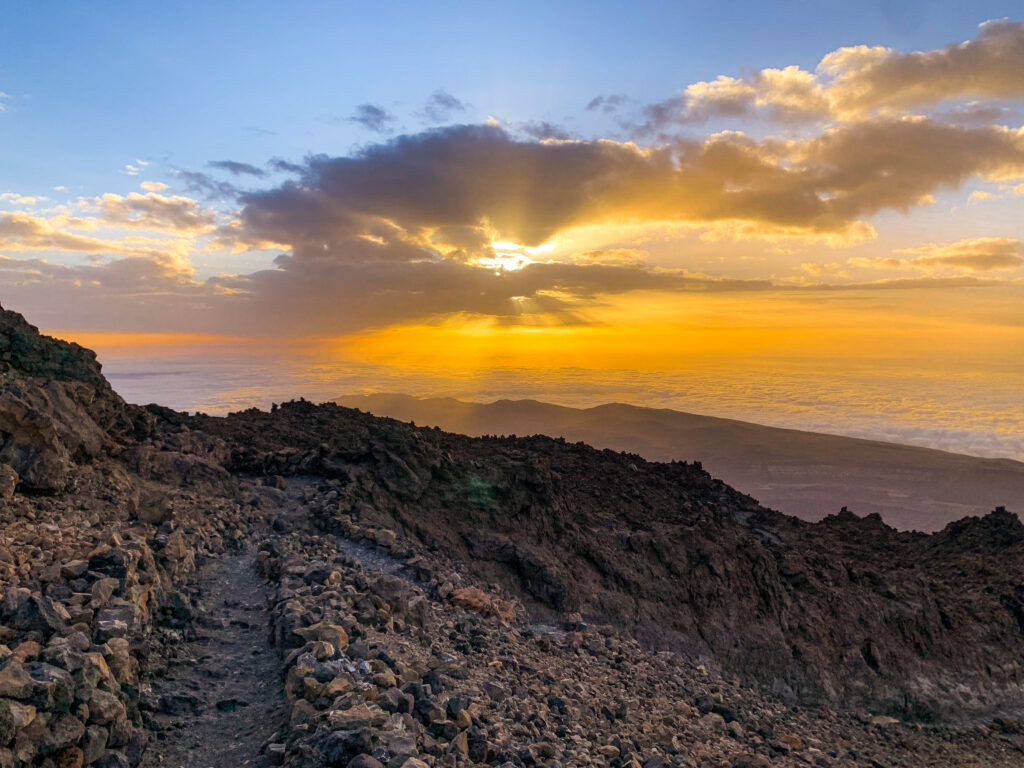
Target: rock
[
  {"x": 103, "y": 590},
  {"x": 105, "y": 707},
  {"x": 364, "y": 761},
  {"x": 8, "y": 482},
  {"x": 94, "y": 743},
  {"x": 330, "y": 633},
  {"x": 176, "y": 548},
  {"x": 63, "y": 731},
  {"x": 460, "y": 744},
  {"x": 112, "y": 760},
  {"x": 74, "y": 569},
  {"x": 276, "y": 753},
  {"x": 15, "y": 682},
  {"x": 323, "y": 650},
  {"x": 14, "y": 716},
  {"x": 884, "y": 721},
  {"x": 475, "y": 599},
  {"x": 69, "y": 757},
  {"x": 353, "y": 718}
]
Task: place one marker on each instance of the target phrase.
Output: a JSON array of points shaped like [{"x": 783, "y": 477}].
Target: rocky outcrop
[
  {"x": 846, "y": 612},
  {"x": 56, "y": 409}
]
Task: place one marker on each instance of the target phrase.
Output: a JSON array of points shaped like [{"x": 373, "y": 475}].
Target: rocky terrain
[
  {"x": 316, "y": 586},
  {"x": 806, "y": 474}
]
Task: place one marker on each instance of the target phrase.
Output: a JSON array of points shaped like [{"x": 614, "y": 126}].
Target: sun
[
  {"x": 507, "y": 262},
  {"x": 509, "y": 256}
]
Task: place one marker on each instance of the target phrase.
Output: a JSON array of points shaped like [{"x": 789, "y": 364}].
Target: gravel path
[{"x": 220, "y": 698}]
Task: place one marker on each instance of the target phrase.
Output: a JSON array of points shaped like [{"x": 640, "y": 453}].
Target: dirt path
[{"x": 220, "y": 699}]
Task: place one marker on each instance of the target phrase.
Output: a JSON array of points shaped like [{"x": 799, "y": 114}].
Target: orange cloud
[{"x": 985, "y": 254}]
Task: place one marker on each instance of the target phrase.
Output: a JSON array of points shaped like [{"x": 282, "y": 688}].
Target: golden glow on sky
[{"x": 651, "y": 331}]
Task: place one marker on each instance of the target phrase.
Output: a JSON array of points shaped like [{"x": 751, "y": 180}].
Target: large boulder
[{"x": 56, "y": 408}]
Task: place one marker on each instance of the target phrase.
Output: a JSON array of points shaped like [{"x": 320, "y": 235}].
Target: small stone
[
  {"x": 103, "y": 590},
  {"x": 276, "y": 753},
  {"x": 354, "y": 718},
  {"x": 331, "y": 633},
  {"x": 323, "y": 650},
  {"x": 364, "y": 761}
]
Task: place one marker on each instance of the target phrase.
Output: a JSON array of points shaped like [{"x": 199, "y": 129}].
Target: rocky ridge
[{"x": 437, "y": 600}]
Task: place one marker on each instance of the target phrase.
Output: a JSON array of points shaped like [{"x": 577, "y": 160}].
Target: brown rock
[
  {"x": 15, "y": 682},
  {"x": 330, "y": 633}
]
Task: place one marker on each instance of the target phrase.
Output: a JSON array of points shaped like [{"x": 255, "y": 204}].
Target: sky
[{"x": 799, "y": 213}]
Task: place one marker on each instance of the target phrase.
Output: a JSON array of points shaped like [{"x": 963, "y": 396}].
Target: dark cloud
[
  {"x": 372, "y": 118},
  {"x": 607, "y": 104},
  {"x": 205, "y": 185},
  {"x": 541, "y": 130},
  {"x": 524, "y": 191},
  {"x": 284, "y": 166},
  {"x": 441, "y": 106},
  {"x": 237, "y": 169}
]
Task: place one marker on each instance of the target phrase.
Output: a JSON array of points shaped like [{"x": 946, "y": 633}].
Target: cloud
[
  {"x": 372, "y": 118},
  {"x": 858, "y": 82},
  {"x": 3, "y": 98},
  {"x": 985, "y": 254},
  {"x": 441, "y": 106},
  {"x": 284, "y": 166},
  {"x": 630, "y": 256},
  {"x": 236, "y": 168},
  {"x": 203, "y": 184},
  {"x": 865, "y": 78},
  {"x": 421, "y": 225},
  {"x": 154, "y": 211},
  {"x": 419, "y": 192},
  {"x": 607, "y": 104},
  {"x": 787, "y": 95},
  {"x": 153, "y": 186},
  {"x": 542, "y": 130},
  {"x": 22, "y": 232},
  {"x": 18, "y": 199}
]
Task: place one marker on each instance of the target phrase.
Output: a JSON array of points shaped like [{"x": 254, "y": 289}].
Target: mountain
[
  {"x": 806, "y": 474},
  {"x": 317, "y": 586}
]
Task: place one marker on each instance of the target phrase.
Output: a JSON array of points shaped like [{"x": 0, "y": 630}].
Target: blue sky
[{"x": 92, "y": 87}]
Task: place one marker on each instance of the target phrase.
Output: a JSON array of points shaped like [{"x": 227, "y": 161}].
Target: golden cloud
[
  {"x": 858, "y": 82},
  {"x": 985, "y": 254}
]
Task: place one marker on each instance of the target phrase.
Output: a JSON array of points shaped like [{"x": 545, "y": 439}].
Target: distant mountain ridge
[{"x": 807, "y": 474}]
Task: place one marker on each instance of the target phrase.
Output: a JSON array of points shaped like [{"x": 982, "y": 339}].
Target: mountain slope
[
  {"x": 805, "y": 474},
  {"x": 845, "y": 612}
]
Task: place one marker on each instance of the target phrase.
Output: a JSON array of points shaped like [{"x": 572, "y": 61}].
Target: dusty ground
[{"x": 219, "y": 700}]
